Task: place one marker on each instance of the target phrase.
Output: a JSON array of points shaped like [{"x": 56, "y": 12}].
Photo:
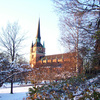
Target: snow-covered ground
[{"x": 20, "y": 92}]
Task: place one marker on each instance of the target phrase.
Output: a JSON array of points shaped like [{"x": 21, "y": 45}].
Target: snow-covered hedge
[{"x": 77, "y": 88}]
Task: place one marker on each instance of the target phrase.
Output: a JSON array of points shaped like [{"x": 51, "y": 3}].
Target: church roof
[
  {"x": 59, "y": 56},
  {"x": 32, "y": 44},
  {"x": 38, "y": 37},
  {"x": 56, "y": 60},
  {"x": 38, "y": 32},
  {"x": 38, "y": 44}
]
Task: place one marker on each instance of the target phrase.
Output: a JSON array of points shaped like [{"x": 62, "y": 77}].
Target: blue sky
[{"x": 27, "y": 13}]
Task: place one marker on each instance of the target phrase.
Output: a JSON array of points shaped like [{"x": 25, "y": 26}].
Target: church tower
[{"x": 37, "y": 49}]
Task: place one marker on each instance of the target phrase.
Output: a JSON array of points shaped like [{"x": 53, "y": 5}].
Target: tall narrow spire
[
  {"x": 38, "y": 37},
  {"x": 32, "y": 45}
]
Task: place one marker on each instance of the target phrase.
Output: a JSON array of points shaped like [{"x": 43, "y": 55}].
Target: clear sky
[{"x": 27, "y": 13}]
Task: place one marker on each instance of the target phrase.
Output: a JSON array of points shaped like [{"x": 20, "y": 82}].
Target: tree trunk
[
  {"x": 12, "y": 83},
  {"x": 12, "y": 70}
]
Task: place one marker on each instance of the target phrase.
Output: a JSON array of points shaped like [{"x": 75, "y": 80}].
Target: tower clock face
[{"x": 40, "y": 49}]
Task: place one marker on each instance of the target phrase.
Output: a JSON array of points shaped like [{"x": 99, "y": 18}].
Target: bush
[{"x": 74, "y": 87}]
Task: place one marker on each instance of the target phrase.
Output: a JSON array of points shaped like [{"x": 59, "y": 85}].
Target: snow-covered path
[{"x": 19, "y": 93}]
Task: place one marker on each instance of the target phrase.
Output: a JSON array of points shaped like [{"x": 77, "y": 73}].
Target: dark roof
[
  {"x": 38, "y": 37},
  {"x": 32, "y": 44},
  {"x": 38, "y": 44},
  {"x": 38, "y": 31}
]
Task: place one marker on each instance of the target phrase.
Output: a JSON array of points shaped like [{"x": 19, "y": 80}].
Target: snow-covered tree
[
  {"x": 4, "y": 66},
  {"x": 6, "y": 69},
  {"x": 11, "y": 39}
]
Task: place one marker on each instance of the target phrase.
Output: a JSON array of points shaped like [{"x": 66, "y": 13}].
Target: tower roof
[
  {"x": 38, "y": 37},
  {"x": 32, "y": 44},
  {"x": 38, "y": 44}
]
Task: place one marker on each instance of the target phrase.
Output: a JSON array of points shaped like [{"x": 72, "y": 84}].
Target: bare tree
[
  {"x": 10, "y": 40},
  {"x": 87, "y": 10},
  {"x": 71, "y": 36},
  {"x": 89, "y": 24},
  {"x": 91, "y": 8}
]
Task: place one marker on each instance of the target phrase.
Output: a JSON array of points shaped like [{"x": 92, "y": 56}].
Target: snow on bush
[{"x": 75, "y": 88}]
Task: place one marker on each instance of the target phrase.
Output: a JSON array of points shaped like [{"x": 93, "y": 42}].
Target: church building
[{"x": 38, "y": 57}]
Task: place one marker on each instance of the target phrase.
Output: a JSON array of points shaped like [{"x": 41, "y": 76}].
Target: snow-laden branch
[
  {"x": 16, "y": 73},
  {"x": 16, "y": 68}
]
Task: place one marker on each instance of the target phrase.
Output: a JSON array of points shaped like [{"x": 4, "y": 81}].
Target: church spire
[
  {"x": 38, "y": 37},
  {"x": 32, "y": 45}
]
